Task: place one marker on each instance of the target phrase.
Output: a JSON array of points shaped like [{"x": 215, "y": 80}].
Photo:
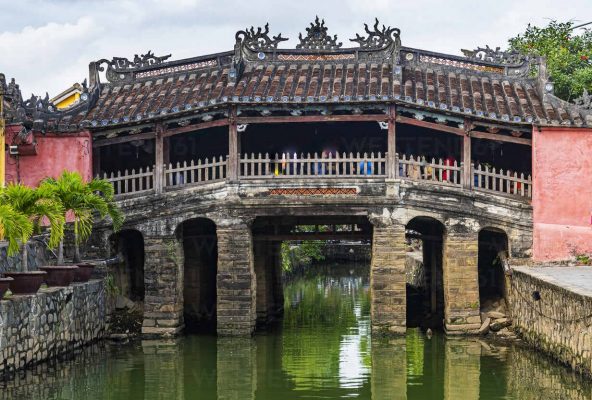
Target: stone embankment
[
  {"x": 551, "y": 309},
  {"x": 52, "y": 322}
]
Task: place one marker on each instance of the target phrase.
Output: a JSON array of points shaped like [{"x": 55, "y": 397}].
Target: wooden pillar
[
  {"x": 233, "y": 146},
  {"x": 391, "y": 160},
  {"x": 96, "y": 162},
  {"x": 466, "y": 158},
  {"x": 159, "y": 159},
  {"x": 467, "y": 181}
]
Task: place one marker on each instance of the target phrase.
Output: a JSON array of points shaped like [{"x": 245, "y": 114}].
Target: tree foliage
[
  {"x": 568, "y": 53},
  {"x": 15, "y": 227},
  {"x": 82, "y": 200},
  {"x": 37, "y": 206}
]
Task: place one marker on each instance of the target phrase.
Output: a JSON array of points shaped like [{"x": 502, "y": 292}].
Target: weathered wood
[
  {"x": 312, "y": 118},
  {"x": 96, "y": 161},
  {"x": 391, "y": 143},
  {"x": 123, "y": 139},
  {"x": 233, "y": 146},
  {"x": 501, "y": 138},
  {"x": 467, "y": 179},
  {"x": 159, "y": 159},
  {"x": 430, "y": 125},
  {"x": 196, "y": 127}
]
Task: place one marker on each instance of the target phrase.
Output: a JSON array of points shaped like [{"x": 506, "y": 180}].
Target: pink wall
[
  {"x": 54, "y": 154},
  {"x": 562, "y": 197}
]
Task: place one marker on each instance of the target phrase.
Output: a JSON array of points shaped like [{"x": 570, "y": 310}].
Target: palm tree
[
  {"x": 15, "y": 227},
  {"x": 80, "y": 200},
  {"x": 37, "y": 206}
]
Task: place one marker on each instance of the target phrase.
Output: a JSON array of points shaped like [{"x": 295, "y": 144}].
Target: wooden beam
[
  {"x": 281, "y": 237},
  {"x": 123, "y": 139},
  {"x": 391, "y": 155},
  {"x": 313, "y": 118},
  {"x": 233, "y": 146},
  {"x": 196, "y": 127},
  {"x": 430, "y": 125},
  {"x": 501, "y": 138}
]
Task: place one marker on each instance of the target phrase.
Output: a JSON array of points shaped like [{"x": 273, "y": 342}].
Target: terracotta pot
[
  {"x": 4, "y": 284},
  {"x": 83, "y": 272},
  {"x": 26, "y": 282},
  {"x": 59, "y": 275}
]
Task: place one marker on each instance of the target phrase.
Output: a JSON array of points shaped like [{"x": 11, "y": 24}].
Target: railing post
[
  {"x": 467, "y": 180},
  {"x": 233, "y": 146},
  {"x": 159, "y": 159},
  {"x": 391, "y": 154}
]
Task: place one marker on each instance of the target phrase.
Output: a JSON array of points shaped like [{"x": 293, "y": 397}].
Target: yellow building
[{"x": 68, "y": 97}]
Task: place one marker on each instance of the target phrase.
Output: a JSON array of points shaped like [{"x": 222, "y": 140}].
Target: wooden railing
[
  {"x": 182, "y": 174},
  {"x": 435, "y": 170},
  {"x": 315, "y": 166},
  {"x": 312, "y": 166},
  {"x": 131, "y": 181},
  {"x": 490, "y": 180}
]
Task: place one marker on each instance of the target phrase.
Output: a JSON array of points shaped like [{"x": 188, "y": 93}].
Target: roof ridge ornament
[
  {"x": 497, "y": 56},
  {"x": 584, "y": 101},
  {"x": 378, "y": 38},
  {"x": 317, "y": 37},
  {"x": 258, "y": 40},
  {"x": 118, "y": 68}
]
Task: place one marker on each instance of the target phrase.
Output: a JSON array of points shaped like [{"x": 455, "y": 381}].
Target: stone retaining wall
[
  {"x": 554, "y": 323},
  {"x": 52, "y": 322},
  {"x": 37, "y": 255}
]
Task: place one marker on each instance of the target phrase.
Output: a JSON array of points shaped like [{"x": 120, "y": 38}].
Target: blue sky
[{"x": 47, "y": 45}]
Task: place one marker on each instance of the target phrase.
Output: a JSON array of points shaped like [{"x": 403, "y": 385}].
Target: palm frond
[{"x": 15, "y": 226}]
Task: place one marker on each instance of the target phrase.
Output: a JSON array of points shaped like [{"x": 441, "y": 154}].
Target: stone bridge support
[
  {"x": 236, "y": 280},
  {"x": 268, "y": 269},
  {"x": 387, "y": 277},
  {"x": 163, "y": 279},
  {"x": 461, "y": 278}
]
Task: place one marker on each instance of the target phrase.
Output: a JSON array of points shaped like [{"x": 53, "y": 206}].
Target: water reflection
[{"x": 322, "y": 351}]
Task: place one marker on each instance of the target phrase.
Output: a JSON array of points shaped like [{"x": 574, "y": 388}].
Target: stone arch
[
  {"x": 424, "y": 273},
  {"x": 198, "y": 239},
  {"x": 493, "y": 253},
  {"x": 127, "y": 267}
]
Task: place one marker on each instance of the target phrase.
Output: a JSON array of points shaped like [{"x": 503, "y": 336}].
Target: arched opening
[
  {"x": 493, "y": 251},
  {"x": 423, "y": 268},
  {"x": 200, "y": 249},
  {"x": 127, "y": 247}
]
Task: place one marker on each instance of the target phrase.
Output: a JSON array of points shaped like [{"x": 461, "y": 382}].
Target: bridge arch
[
  {"x": 200, "y": 260},
  {"x": 127, "y": 248},
  {"x": 424, "y": 273},
  {"x": 493, "y": 252}
]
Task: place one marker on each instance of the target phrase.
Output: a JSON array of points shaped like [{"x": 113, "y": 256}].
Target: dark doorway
[
  {"x": 128, "y": 274},
  {"x": 425, "y": 293},
  {"x": 200, "y": 249},
  {"x": 493, "y": 250}
]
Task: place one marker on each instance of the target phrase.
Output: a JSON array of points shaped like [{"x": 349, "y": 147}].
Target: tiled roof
[{"x": 319, "y": 72}]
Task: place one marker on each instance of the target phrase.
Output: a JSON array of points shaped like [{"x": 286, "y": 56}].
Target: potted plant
[
  {"x": 81, "y": 200},
  {"x": 37, "y": 206}
]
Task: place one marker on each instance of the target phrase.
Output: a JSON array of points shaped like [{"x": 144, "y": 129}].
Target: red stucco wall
[
  {"x": 562, "y": 193},
  {"x": 54, "y": 154}
]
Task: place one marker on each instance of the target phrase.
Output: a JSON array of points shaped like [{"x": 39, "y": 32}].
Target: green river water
[{"x": 321, "y": 350}]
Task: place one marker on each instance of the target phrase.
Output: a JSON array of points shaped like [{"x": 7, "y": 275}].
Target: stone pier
[
  {"x": 269, "y": 280},
  {"x": 163, "y": 279},
  {"x": 236, "y": 281},
  {"x": 461, "y": 278},
  {"x": 387, "y": 278}
]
